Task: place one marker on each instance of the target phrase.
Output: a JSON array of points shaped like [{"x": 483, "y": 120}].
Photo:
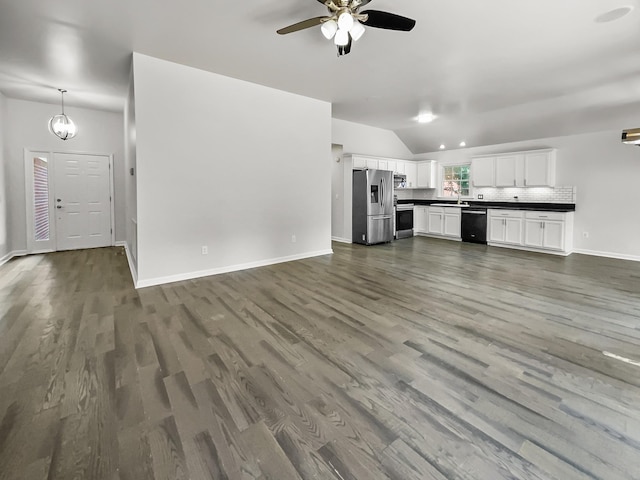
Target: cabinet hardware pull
[{"x": 525, "y": 182}]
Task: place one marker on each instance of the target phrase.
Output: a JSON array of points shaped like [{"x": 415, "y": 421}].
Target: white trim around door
[{"x": 40, "y": 191}]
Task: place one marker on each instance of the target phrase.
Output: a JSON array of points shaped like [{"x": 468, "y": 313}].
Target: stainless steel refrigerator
[{"x": 372, "y": 212}]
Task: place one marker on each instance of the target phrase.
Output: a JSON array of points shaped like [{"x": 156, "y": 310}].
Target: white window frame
[{"x": 441, "y": 168}]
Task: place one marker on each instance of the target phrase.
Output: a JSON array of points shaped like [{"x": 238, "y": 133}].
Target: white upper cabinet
[
  {"x": 483, "y": 171},
  {"x": 411, "y": 171},
  {"x": 509, "y": 170},
  {"x": 392, "y": 166},
  {"x": 372, "y": 163},
  {"x": 400, "y": 167},
  {"x": 536, "y": 168},
  {"x": 540, "y": 168},
  {"x": 426, "y": 175}
]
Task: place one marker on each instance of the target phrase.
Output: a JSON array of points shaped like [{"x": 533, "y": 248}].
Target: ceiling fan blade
[
  {"x": 311, "y": 22},
  {"x": 387, "y": 20}
]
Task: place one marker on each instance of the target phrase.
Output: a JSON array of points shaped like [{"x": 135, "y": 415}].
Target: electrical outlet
[
  {"x": 585, "y": 234},
  {"x": 293, "y": 239},
  {"x": 205, "y": 250},
  {"x": 480, "y": 196}
]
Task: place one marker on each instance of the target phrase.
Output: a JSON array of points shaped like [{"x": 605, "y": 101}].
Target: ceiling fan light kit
[
  {"x": 346, "y": 23},
  {"x": 61, "y": 125}
]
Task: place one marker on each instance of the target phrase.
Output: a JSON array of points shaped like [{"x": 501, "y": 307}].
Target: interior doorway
[{"x": 69, "y": 198}]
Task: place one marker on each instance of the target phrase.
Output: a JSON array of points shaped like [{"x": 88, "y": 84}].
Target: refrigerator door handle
[{"x": 382, "y": 196}]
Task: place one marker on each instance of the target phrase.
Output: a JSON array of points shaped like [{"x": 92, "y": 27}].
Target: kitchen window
[{"x": 455, "y": 178}]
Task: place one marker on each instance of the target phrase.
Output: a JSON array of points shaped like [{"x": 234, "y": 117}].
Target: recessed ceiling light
[
  {"x": 426, "y": 117},
  {"x": 614, "y": 14},
  {"x": 463, "y": 144},
  {"x": 442, "y": 147}
]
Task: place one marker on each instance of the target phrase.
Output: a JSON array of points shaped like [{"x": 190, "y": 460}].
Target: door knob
[
  {"x": 59, "y": 206},
  {"x": 58, "y": 200}
]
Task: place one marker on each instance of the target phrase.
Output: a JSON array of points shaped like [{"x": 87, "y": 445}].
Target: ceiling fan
[{"x": 346, "y": 22}]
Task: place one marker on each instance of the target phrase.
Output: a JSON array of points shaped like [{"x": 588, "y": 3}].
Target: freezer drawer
[{"x": 379, "y": 229}]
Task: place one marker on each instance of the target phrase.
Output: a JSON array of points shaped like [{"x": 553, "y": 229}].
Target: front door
[{"x": 82, "y": 201}]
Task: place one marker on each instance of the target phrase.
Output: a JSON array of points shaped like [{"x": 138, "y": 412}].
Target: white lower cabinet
[
  {"x": 506, "y": 226},
  {"x": 541, "y": 231},
  {"x": 437, "y": 221},
  {"x": 452, "y": 221},
  {"x": 532, "y": 230},
  {"x": 420, "y": 219}
]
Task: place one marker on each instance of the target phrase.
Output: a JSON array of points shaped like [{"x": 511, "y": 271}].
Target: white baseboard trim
[
  {"x": 340, "y": 239},
  {"x": 619, "y": 256},
  {"x": 12, "y": 254},
  {"x": 132, "y": 266},
  {"x": 530, "y": 249},
  {"x": 120, "y": 243},
  {"x": 231, "y": 268},
  {"x": 442, "y": 237}
]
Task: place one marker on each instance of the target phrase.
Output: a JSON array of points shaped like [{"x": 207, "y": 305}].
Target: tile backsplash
[
  {"x": 528, "y": 194},
  {"x": 491, "y": 194}
]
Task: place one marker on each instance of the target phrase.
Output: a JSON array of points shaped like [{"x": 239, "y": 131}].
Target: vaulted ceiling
[{"x": 492, "y": 71}]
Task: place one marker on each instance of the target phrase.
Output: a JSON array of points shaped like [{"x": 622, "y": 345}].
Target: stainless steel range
[{"x": 403, "y": 219}]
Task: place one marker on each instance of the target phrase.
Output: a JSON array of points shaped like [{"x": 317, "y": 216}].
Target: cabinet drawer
[
  {"x": 545, "y": 215},
  {"x": 437, "y": 209},
  {"x": 506, "y": 213}
]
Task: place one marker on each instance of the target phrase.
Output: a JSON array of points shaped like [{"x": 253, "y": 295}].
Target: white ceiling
[{"x": 493, "y": 71}]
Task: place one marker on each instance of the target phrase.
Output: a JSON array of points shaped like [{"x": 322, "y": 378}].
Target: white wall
[
  {"x": 5, "y": 247},
  {"x": 228, "y": 164},
  {"x": 130, "y": 176},
  {"x": 98, "y": 132},
  {"x": 337, "y": 193},
  {"x": 366, "y": 140},
  {"x": 605, "y": 172}
]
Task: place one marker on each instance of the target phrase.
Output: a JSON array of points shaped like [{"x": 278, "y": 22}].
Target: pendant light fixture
[{"x": 61, "y": 125}]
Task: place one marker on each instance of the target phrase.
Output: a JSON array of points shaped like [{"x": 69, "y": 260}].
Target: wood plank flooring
[{"x": 422, "y": 359}]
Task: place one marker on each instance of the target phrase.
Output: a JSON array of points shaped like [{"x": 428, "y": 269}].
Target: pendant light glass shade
[
  {"x": 356, "y": 31},
  {"x": 342, "y": 37},
  {"x": 329, "y": 29},
  {"x": 61, "y": 125},
  {"x": 345, "y": 21}
]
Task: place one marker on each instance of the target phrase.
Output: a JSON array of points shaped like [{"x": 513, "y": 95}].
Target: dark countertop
[{"x": 543, "y": 207}]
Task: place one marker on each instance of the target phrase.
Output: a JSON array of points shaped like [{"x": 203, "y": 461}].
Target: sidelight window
[{"x": 41, "y": 198}]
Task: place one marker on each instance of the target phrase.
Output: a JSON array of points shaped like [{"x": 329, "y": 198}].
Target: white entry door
[{"x": 82, "y": 201}]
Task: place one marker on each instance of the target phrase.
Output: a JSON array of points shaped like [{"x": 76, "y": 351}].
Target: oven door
[{"x": 404, "y": 223}]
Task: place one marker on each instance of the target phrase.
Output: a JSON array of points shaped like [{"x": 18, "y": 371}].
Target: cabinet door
[
  {"x": 506, "y": 170},
  {"x": 533, "y": 233},
  {"x": 452, "y": 223},
  {"x": 383, "y": 165},
  {"x": 372, "y": 163},
  {"x": 359, "y": 162},
  {"x": 420, "y": 221},
  {"x": 513, "y": 231},
  {"x": 553, "y": 235},
  {"x": 497, "y": 229},
  {"x": 435, "y": 222},
  {"x": 426, "y": 175},
  {"x": 483, "y": 171},
  {"x": 391, "y": 165},
  {"x": 400, "y": 167},
  {"x": 411, "y": 171},
  {"x": 537, "y": 170}
]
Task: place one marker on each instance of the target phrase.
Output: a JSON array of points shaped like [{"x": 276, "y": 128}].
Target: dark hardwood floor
[{"x": 422, "y": 359}]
